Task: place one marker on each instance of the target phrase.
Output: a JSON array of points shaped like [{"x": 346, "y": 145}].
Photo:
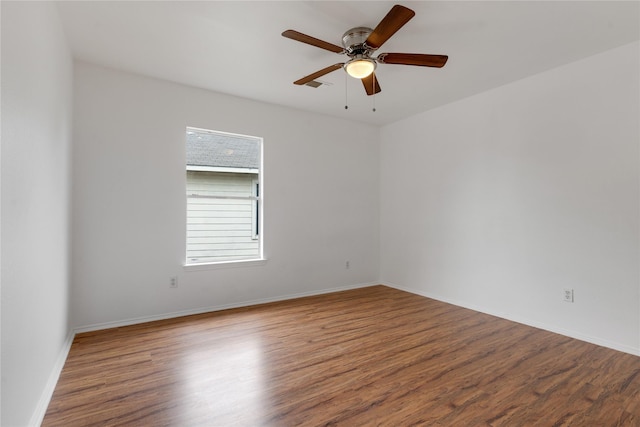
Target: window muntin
[{"x": 223, "y": 198}]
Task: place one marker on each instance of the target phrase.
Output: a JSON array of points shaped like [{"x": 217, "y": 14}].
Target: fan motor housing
[{"x": 353, "y": 41}]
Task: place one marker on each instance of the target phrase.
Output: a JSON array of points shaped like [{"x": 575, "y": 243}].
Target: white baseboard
[
  {"x": 200, "y": 310},
  {"x": 540, "y": 325},
  {"x": 47, "y": 393}
]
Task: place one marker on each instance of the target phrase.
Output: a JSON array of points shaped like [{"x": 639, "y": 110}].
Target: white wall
[
  {"x": 499, "y": 201},
  {"x": 321, "y": 199},
  {"x": 36, "y": 135}
]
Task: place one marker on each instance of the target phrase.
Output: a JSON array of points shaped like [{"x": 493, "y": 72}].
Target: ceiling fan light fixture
[
  {"x": 360, "y": 68},
  {"x": 360, "y": 43}
]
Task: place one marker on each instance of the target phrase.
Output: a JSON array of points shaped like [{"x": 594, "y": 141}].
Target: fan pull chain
[
  {"x": 374, "y": 92},
  {"x": 346, "y": 83}
]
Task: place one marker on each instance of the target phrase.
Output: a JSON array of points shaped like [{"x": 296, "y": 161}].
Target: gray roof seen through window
[{"x": 222, "y": 150}]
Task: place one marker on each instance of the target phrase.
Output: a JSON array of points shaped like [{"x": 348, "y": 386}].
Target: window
[{"x": 223, "y": 197}]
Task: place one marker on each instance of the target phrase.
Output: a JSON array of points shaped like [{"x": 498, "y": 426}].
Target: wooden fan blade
[
  {"x": 392, "y": 22},
  {"x": 312, "y": 77},
  {"x": 371, "y": 85},
  {"x": 297, "y": 36},
  {"x": 419, "y": 59}
]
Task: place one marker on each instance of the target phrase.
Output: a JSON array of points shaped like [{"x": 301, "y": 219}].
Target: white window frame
[{"x": 257, "y": 208}]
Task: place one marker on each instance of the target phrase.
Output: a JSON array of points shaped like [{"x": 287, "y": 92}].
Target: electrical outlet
[
  {"x": 347, "y": 265},
  {"x": 173, "y": 282},
  {"x": 568, "y": 295}
]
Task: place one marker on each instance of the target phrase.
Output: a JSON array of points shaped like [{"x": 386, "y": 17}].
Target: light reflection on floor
[{"x": 242, "y": 382}]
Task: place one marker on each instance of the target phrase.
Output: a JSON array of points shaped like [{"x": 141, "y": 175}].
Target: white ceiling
[{"x": 236, "y": 47}]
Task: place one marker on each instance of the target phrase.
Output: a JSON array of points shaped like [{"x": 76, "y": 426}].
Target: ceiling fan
[{"x": 360, "y": 43}]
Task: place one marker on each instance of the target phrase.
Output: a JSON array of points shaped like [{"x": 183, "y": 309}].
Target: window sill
[{"x": 225, "y": 264}]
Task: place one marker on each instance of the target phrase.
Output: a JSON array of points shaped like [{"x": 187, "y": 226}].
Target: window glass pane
[{"x": 223, "y": 202}]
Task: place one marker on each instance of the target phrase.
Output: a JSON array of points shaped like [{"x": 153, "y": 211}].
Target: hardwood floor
[{"x": 368, "y": 357}]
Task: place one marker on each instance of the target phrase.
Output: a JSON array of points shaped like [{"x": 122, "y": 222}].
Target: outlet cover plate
[{"x": 568, "y": 295}]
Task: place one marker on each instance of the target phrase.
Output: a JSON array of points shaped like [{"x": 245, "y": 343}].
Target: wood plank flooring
[{"x": 368, "y": 357}]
